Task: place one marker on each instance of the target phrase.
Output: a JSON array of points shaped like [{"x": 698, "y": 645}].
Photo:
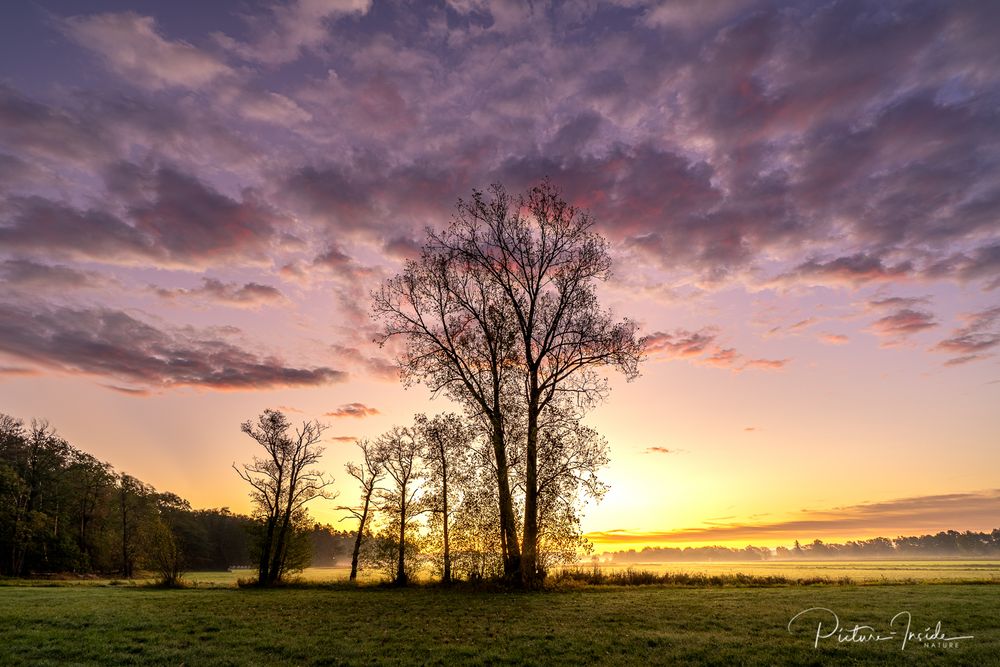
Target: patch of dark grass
[{"x": 599, "y": 577}]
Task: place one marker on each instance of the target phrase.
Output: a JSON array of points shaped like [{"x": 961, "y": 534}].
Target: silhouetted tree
[
  {"x": 369, "y": 472},
  {"x": 444, "y": 443},
  {"x": 569, "y": 457},
  {"x": 505, "y": 298},
  {"x": 282, "y": 482},
  {"x": 460, "y": 339},
  {"x": 135, "y": 512},
  {"x": 400, "y": 451}
]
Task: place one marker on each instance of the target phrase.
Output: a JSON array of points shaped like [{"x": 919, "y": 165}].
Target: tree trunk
[
  {"x": 401, "y": 563},
  {"x": 277, "y": 561},
  {"x": 357, "y": 540},
  {"x": 126, "y": 565},
  {"x": 263, "y": 570},
  {"x": 446, "y": 577},
  {"x": 508, "y": 526},
  {"x": 529, "y": 553}
]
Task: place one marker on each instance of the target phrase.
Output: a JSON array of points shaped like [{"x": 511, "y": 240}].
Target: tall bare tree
[
  {"x": 457, "y": 327},
  {"x": 504, "y": 298},
  {"x": 368, "y": 473},
  {"x": 282, "y": 481}
]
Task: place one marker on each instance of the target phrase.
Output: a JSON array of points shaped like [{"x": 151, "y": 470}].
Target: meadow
[
  {"x": 860, "y": 572},
  {"x": 334, "y": 623}
]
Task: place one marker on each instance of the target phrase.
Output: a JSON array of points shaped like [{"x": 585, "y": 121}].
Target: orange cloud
[
  {"x": 956, "y": 511},
  {"x": 352, "y": 410}
]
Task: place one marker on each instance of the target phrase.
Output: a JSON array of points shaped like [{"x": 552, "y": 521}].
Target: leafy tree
[
  {"x": 281, "y": 482},
  {"x": 475, "y": 529},
  {"x": 136, "y": 509}
]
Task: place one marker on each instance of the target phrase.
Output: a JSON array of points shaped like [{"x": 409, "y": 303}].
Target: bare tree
[
  {"x": 368, "y": 473},
  {"x": 400, "y": 451},
  {"x": 444, "y": 442},
  {"x": 282, "y": 482},
  {"x": 457, "y": 327},
  {"x": 505, "y": 298}
]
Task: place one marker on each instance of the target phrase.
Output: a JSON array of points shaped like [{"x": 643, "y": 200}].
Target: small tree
[
  {"x": 368, "y": 473},
  {"x": 400, "y": 451},
  {"x": 282, "y": 482},
  {"x": 135, "y": 512},
  {"x": 163, "y": 553},
  {"x": 443, "y": 440}
]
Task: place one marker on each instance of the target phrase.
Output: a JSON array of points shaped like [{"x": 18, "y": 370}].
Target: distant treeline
[
  {"x": 946, "y": 544},
  {"x": 63, "y": 511}
]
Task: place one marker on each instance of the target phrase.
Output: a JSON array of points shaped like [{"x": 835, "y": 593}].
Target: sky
[{"x": 802, "y": 201}]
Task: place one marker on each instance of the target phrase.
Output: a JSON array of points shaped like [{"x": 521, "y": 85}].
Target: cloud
[
  {"x": 333, "y": 262},
  {"x": 715, "y": 145},
  {"x": 660, "y": 450},
  {"x": 291, "y": 28},
  {"x": 853, "y": 270},
  {"x": 250, "y": 295},
  {"x": 834, "y": 338},
  {"x": 766, "y": 364},
  {"x": 17, "y": 371},
  {"x": 352, "y": 410},
  {"x": 957, "y": 511},
  {"x": 378, "y": 367},
  {"x": 980, "y": 263},
  {"x": 132, "y": 47},
  {"x": 171, "y": 217},
  {"x": 722, "y": 357},
  {"x": 973, "y": 341},
  {"x": 30, "y": 275},
  {"x": 42, "y": 131},
  {"x": 111, "y": 343},
  {"x": 802, "y": 324},
  {"x": 681, "y": 343},
  {"x": 128, "y": 391},
  {"x": 701, "y": 348},
  {"x": 262, "y": 105},
  {"x": 898, "y": 302},
  {"x": 902, "y": 324}
]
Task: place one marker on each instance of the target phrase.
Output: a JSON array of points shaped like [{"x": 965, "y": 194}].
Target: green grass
[{"x": 432, "y": 625}]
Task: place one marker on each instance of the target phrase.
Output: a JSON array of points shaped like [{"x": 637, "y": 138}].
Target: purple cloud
[
  {"x": 112, "y": 343},
  {"x": 246, "y": 295},
  {"x": 975, "y": 340}
]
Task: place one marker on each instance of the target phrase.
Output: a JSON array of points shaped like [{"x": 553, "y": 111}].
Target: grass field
[
  {"x": 859, "y": 571},
  {"x": 864, "y": 572},
  {"x": 429, "y": 625}
]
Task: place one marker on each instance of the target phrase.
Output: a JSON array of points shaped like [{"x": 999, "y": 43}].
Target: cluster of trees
[
  {"x": 500, "y": 314},
  {"x": 428, "y": 497},
  {"x": 64, "y": 511},
  {"x": 689, "y": 554},
  {"x": 946, "y": 544}
]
